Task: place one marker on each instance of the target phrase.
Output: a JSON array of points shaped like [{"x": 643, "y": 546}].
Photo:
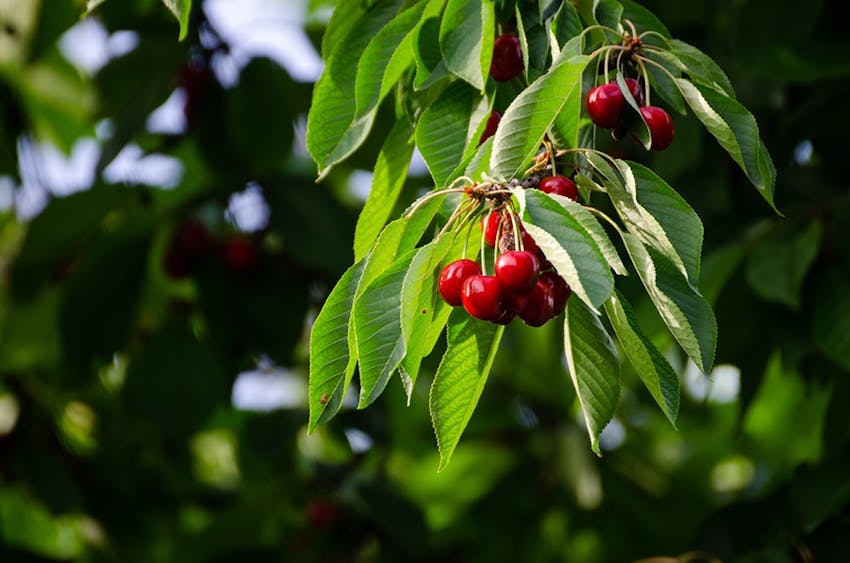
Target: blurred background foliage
[{"x": 163, "y": 247}]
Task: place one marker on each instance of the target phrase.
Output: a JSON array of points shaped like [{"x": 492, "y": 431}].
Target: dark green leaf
[
  {"x": 651, "y": 366},
  {"x": 700, "y": 67},
  {"x": 181, "y": 10},
  {"x": 683, "y": 310},
  {"x": 447, "y": 129},
  {"x": 387, "y": 181},
  {"x": 333, "y": 133},
  {"x": 569, "y": 246},
  {"x": 736, "y": 131},
  {"x": 594, "y": 368},
  {"x": 466, "y": 39},
  {"x": 831, "y": 329},
  {"x": 377, "y": 328},
  {"x": 333, "y": 355},
  {"x": 778, "y": 265},
  {"x": 460, "y": 378},
  {"x": 530, "y": 116}
]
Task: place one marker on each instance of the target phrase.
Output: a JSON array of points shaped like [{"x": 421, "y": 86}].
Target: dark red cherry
[
  {"x": 322, "y": 514},
  {"x": 660, "y": 127},
  {"x": 560, "y": 291},
  {"x": 529, "y": 244},
  {"x": 605, "y": 104},
  {"x": 560, "y": 185},
  {"x": 517, "y": 270},
  {"x": 490, "y": 227},
  {"x": 239, "y": 253},
  {"x": 490, "y": 128},
  {"x": 483, "y": 298},
  {"x": 507, "y": 58},
  {"x": 452, "y": 278},
  {"x": 537, "y": 306}
]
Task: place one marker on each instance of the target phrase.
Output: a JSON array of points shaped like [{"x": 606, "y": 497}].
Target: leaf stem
[{"x": 429, "y": 196}]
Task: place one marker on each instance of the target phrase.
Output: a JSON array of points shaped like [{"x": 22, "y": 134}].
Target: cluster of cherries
[
  {"x": 524, "y": 283},
  {"x": 191, "y": 243},
  {"x": 606, "y": 106}
]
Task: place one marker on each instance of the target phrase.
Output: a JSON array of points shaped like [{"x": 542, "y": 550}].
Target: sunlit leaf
[{"x": 466, "y": 39}]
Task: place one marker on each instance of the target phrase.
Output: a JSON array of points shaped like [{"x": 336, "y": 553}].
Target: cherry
[
  {"x": 529, "y": 244},
  {"x": 239, "y": 253},
  {"x": 517, "y": 270},
  {"x": 560, "y": 291},
  {"x": 560, "y": 185},
  {"x": 322, "y": 514},
  {"x": 605, "y": 104},
  {"x": 483, "y": 298},
  {"x": 490, "y": 128},
  {"x": 490, "y": 227},
  {"x": 537, "y": 306},
  {"x": 189, "y": 244},
  {"x": 452, "y": 278},
  {"x": 507, "y": 58},
  {"x": 660, "y": 127}
]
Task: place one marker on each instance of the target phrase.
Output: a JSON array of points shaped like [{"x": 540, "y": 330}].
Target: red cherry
[
  {"x": 507, "y": 58},
  {"x": 517, "y": 270},
  {"x": 452, "y": 278},
  {"x": 560, "y": 185},
  {"x": 482, "y": 298},
  {"x": 605, "y": 104},
  {"x": 531, "y": 246},
  {"x": 192, "y": 238},
  {"x": 660, "y": 127},
  {"x": 560, "y": 291},
  {"x": 490, "y": 128},
  {"x": 490, "y": 227},
  {"x": 537, "y": 306},
  {"x": 322, "y": 514},
  {"x": 239, "y": 253}
]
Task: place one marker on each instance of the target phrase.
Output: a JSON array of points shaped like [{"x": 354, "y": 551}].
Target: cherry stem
[
  {"x": 601, "y": 27},
  {"x": 646, "y": 89},
  {"x": 607, "y": 57},
  {"x": 657, "y": 64},
  {"x": 428, "y": 197},
  {"x": 604, "y": 216},
  {"x": 632, "y": 26},
  {"x": 650, "y": 33},
  {"x": 517, "y": 238}
]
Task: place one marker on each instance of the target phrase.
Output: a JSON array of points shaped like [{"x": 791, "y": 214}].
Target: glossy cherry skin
[
  {"x": 492, "y": 125},
  {"x": 605, "y": 104},
  {"x": 239, "y": 253},
  {"x": 490, "y": 227},
  {"x": 452, "y": 277},
  {"x": 507, "y": 58},
  {"x": 560, "y": 291},
  {"x": 517, "y": 270},
  {"x": 537, "y": 306},
  {"x": 483, "y": 298},
  {"x": 529, "y": 244},
  {"x": 660, "y": 127},
  {"x": 560, "y": 185}
]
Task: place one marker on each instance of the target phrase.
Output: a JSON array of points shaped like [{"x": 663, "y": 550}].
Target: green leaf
[
  {"x": 639, "y": 129},
  {"x": 181, "y": 10},
  {"x": 589, "y": 222},
  {"x": 332, "y": 356},
  {"x": 566, "y": 24},
  {"x": 430, "y": 66},
  {"x": 662, "y": 83},
  {"x": 569, "y": 246},
  {"x": 683, "y": 310},
  {"x": 447, "y": 128},
  {"x": 334, "y": 130},
  {"x": 344, "y": 16},
  {"x": 700, "y": 67},
  {"x": 831, "y": 330},
  {"x": 423, "y": 312},
  {"x": 777, "y": 267},
  {"x": 385, "y": 59},
  {"x": 718, "y": 267},
  {"x": 466, "y": 39},
  {"x": 460, "y": 378},
  {"x": 661, "y": 207},
  {"x": 651, "y": 366},
  {"x": 388, "y": 179},
  {"x": 530, "y": 116},
  {"x": 564, "y": 131},
  {"x": 594, "y": 368},
  {"x": 643, "y": 19},
  {"x": 736, "y": 131},
  {"x": 377, "y": 328}
]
